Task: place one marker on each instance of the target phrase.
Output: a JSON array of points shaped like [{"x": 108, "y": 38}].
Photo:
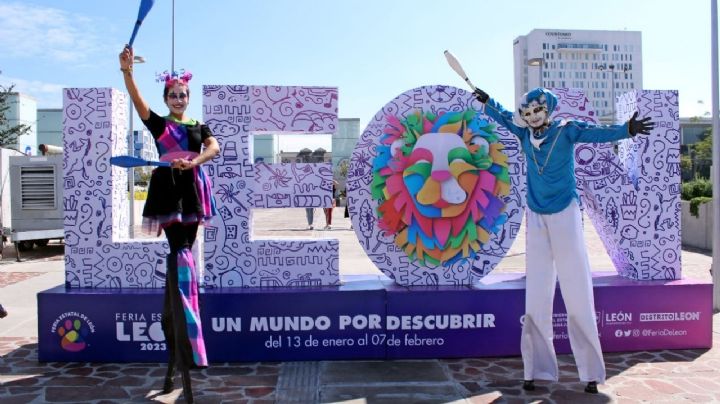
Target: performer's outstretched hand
[
  {"x": 642, "y": 126},
  {"x": 481, "y": 95}
]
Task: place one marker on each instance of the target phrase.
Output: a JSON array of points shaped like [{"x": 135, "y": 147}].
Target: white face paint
[
  {"x": 177, "y": 99},
  {"x": 535, "y": 115}
]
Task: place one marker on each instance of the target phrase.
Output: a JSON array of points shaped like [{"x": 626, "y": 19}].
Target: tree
[
  {"x": 9, "y": 134},
  {"x": 703, "y": 148},
  {"x": 701, "y": 153}
]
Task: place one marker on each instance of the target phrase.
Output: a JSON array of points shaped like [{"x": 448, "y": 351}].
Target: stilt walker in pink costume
[
  {"x": 179, "y": 199},
  {"x": 555, "y": 248}
]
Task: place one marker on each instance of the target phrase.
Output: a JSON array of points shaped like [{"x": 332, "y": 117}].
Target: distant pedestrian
[
  {"x": 328, "y": 211},
  {"x": 346, "y": 214},
  {"x": 309, "y": 215}
]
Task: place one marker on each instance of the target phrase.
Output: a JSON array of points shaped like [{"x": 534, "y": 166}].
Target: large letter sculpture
[
  {"x": 232, "y": 257},
  {"x": 435, "y": 190},
  {"x": 633, "y": 198},
  {"x": 429, "y": 197},
  {"x": 98, "y": 252}
]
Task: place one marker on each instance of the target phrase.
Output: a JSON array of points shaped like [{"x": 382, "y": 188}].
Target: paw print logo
[{"x": 73, "y": 333}]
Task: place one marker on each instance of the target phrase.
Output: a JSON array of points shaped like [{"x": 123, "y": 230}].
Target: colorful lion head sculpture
[{"x": 439, "y": 182}]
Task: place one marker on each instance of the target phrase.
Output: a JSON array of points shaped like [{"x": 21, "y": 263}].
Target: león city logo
[{"x": 73, "y": 329}]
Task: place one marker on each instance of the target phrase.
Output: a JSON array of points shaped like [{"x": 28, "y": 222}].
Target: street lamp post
[
  {"x": 539, "y": 63},
  {"x": 610, "y": 67},
  {"x": 612, "y": 91},
  {"x": 715, "y": 154},
  {"x": 131, "y": 171},
  {"x": 172, "y": 57}
]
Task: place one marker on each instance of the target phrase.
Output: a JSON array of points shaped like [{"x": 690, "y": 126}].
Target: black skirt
[{"x": 172, "y": 191}]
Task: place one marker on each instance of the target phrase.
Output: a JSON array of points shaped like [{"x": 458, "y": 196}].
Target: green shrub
[
  {"x": 695, "y": 204},
  {"x": 696, "y": 188}
]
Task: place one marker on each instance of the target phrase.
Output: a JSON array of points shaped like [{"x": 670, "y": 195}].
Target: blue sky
[{"x": 372, "y": 50}]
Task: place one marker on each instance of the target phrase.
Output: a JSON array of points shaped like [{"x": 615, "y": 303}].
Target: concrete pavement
[{"x": 660, "y": 376}]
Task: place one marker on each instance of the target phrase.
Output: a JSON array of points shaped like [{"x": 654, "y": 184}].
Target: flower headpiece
[{"x": 181, "y": 77}]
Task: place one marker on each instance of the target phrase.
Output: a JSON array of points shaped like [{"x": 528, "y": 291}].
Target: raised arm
[
  {"x": 126, "y": 66},
  {"x": 494, "y": 110}
]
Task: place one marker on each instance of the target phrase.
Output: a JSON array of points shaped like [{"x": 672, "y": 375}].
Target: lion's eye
[{"x": 481, "y": 142}]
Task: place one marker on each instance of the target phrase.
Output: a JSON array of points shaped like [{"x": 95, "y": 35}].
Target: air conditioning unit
[{"x": 36, "y": 189}]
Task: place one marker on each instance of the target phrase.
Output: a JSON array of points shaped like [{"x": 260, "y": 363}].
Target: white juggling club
[{"x": 453, "y": 62}]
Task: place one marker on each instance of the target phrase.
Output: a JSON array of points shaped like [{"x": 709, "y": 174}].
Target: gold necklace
[{"x": 547, "y": 159}]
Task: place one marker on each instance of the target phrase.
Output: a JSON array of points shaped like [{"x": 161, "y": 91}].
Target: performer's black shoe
[
  {"x": 591, "y": 388},
  {"x": 3, "y": 312},
  {"x": 528, "y": 385},
  {"x": 168, "y": 385},
  {"x": 187, "y": 386}
]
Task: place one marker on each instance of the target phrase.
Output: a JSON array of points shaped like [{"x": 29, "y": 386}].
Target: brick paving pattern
[
  {"x": 661, "y": 376},
  {"x": 654, "y": 377}
]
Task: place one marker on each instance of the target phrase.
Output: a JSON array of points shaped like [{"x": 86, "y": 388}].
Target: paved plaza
[{"x": 658, "y": 376}]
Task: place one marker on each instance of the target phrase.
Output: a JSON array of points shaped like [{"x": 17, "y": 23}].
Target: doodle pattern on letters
[
  {"x": 633, "y": 198},
  {"x": 232, "y": 256},
  {"x": 98, "y": 253}
]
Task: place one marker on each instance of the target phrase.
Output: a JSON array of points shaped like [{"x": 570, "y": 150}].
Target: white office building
[
  {"x": 605, "y": 64},
  {"x": 144, "y": 145},
  {"x": 49, "y": 126},
  {"x": 22, "y": 110}
]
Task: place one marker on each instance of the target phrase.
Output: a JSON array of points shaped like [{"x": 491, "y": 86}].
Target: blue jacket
[{"x": 551, "y": 169}]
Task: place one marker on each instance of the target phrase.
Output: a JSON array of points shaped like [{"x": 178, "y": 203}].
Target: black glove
[
  {"x": 481, "y": 95},
  {"x": 642, "y": 127}
]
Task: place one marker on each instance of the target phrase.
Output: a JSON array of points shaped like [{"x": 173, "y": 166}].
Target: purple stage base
[{"x": 366, "y": 319}]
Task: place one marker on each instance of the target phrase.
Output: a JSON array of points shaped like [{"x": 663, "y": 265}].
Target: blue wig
[{"x": 542, "y": 96}]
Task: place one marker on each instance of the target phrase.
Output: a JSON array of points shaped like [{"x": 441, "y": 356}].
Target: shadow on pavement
[{"x": 54, "y": 250}]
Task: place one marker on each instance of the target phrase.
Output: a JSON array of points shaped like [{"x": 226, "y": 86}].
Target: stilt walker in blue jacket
[{"x": 555, "y": 246}]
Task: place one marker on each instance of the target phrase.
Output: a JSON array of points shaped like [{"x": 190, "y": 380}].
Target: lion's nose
[{"x": 440, "y": 175}]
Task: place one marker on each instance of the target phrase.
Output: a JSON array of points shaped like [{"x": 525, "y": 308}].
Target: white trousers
[{"x": 556, "y": 251}]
